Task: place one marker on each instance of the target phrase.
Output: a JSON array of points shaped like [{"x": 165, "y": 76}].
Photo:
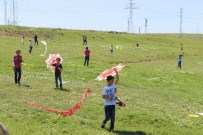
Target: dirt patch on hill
[
  {"x": 146, "y": 59},
  {"x": 20, "y": 33}
]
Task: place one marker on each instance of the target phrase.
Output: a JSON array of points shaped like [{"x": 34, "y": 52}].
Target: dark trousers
[
  {"x": 30, "y": 51},
  {"x": 87, "y": 58},
  {"x": 58, "y": 79},
  {"x": 17, "y": 73},
  {"x": 110, "y": 114},
  {"x": 179, "y": 64},
  {"x": 36, "y": 42},
  {"x": 84, "y": 42}
]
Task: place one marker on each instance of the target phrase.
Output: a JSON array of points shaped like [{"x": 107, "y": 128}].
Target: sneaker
[
  {"x": 111, "y": 130},
  {"x": 102, "y": 125}
]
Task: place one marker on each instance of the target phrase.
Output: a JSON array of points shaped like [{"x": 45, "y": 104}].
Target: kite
[
  {"x": 52, "y": 58},
  {"x": 108, "y": 72},
  {"x": 193, "y": 115},
  {"x": 118, "y": 47},
  {"x": 120, "y": 102},
  {"x": 45, "y": 51},
  {"x": 200, "y": 114},
  {"x": 68, "y": 112}
]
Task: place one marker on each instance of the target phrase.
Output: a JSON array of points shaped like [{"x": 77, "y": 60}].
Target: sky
[{"x": 110, "y": 15}]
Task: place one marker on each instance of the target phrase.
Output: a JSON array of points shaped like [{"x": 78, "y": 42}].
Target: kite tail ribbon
[{"x": 68, "y": 112}]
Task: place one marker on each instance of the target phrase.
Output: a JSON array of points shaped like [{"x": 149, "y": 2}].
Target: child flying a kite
[
  {"x": 84, "y": 37},
  {"x": 109, "y": 96},
  {"x": 58, "y": 68},
  {"x": 180, "y": 61}
]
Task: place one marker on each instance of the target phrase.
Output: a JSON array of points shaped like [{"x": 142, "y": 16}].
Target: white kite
[
  {"x": 45, "y": 51},
  {"x": 52, "y": 59},
  {"x": 201, "y": 114},
  {"x": 108, "y": 72}
]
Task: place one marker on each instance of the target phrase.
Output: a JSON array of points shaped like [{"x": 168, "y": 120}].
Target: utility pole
[
  {"x": 181, "y": 21},
  {"x": 146, "y": 25},
  {"x": 139, "y": 30},
  {"x": 130, "y": 19},
  {"x": 14, "y": 12},
  {"x": 5, "y": 12}
]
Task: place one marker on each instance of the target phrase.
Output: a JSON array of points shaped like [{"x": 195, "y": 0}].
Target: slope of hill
[{"x": 159, "y": 97}]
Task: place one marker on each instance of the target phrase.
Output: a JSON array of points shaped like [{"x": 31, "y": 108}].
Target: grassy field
[{"x": 159, "y": 97}]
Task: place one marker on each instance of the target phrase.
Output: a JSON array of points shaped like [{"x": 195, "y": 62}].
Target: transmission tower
[
  {"x": 181, "y": 21},
  {"x": 131, "y": 6},
  {"x": 5, "y": 12},
  {"x": 13, "y": 19}
]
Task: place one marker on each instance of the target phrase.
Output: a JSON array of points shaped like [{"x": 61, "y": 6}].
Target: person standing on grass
[
  {"x": 109, "y": 96},
  {"x": 111, "y": 48},
  {"x": 84, "y": 40},
  {"x": 180, "y": 61},
  {"x": 87, "y": 56},
  {"x": 30, "y": 46},
  {"x": 36, "y": 39},
  {"x": 22, "y": 42},
  {"x": 137, "y": 44},
  {"x": 17, "y": 60},
  {"x": 58, "y": 68}
]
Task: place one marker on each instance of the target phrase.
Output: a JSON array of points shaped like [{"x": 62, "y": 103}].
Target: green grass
[{"x": 159, "y": 97}]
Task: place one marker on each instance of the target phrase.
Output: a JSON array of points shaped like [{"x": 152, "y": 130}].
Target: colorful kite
[
  {"x": 108, "y": 72},
  {"x": 45, "y": 51},
  {"x": 52, "y": 58},
  {"x": 69, "y": 112}
]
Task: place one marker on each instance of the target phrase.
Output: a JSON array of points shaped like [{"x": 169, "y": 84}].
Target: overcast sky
[{"x": 163, "y": 15}]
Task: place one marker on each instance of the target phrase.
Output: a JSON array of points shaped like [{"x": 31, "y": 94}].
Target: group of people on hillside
[
  {"x": 109, "y": 91},
  {"x": 30, "y": 42}
]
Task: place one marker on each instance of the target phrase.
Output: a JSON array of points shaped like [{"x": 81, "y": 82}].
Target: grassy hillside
[{"x": 159, "y": 97}]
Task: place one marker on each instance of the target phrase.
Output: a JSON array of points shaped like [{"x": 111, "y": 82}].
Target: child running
[
  {"x": 109, "y": 96},
  {"x": 17, "y": 60},
  {"x": 30, "y": 46},
  {"x": 58, "y": 68},
  {"x": 87, "y": 56}
]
